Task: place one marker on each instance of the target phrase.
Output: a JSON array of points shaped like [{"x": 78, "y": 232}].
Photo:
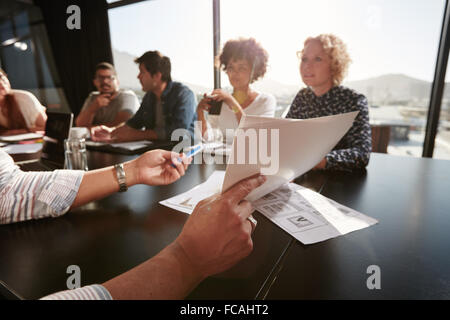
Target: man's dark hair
[
  {"x": 105, "y": 66},
  {"x": 155, "y": 62}
]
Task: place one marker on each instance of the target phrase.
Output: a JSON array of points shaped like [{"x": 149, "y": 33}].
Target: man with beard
[
  {"x": 109, "y": 105},
  {"x": 167, "y": 106}
]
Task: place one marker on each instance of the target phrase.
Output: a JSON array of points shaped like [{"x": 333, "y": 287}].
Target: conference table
[{"x": 409, "y": 245}]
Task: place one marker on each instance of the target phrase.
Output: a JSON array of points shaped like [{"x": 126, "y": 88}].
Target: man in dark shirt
[{"x": 166, "y": 106}]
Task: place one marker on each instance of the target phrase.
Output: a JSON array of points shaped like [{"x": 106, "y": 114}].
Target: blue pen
[{"x": 191, "y": 153}]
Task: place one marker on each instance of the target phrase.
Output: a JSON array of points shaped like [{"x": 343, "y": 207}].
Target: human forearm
[
  {"x": 39, "y": 124},
  {"x": 119, "y": 119},
  {"x": 353, "y": 151},
  {"x": 168, "y": 275},
  {"x": 347, "y": 159},
  {"x": 225, "y": 239},
  {"x": 86, "y": 116},
  {"x": 201, "y": 117},
  {"x": 230, "y": 100},
  {"x": 100, "y": 183},
  {"x": 53, "y": 194}
]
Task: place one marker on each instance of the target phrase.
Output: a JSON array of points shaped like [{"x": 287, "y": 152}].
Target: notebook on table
[{"x": 130, "y": 148}]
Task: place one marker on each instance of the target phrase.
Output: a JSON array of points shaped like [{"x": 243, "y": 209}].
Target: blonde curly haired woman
[{"x": 323, "y": 65}]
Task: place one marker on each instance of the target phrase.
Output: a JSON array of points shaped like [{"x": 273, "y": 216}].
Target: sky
[{"x": 382, "y": 36}]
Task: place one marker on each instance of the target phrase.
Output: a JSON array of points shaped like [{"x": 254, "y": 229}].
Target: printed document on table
[
  {"x": 187, "y": 201},
  {"x": 308, "y": 216},
  {"x": 21, "y": 137},
  {"x": 22, "y": 148},
  {"x": 301, "y": 144}
]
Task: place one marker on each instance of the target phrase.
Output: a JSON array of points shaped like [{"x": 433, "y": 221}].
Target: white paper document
[
  {"x": 187, "y": 201},
  {"x": 308, "y": 216},
  {"x": 284, "y": 148},
  {"x": 21, "y": 137},
  {"x": 22, "y": 148}
]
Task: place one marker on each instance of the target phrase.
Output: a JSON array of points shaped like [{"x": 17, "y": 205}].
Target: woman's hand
[
  {"x": 222, "y": 95},
  {"x": 232, "y": 103},
  {"x": 203, "y": 105},
  {"x": 155, "y": 167}
]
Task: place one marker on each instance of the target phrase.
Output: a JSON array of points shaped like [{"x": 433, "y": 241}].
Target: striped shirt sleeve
[
  {"x": 92, "y": 292},
  {"x": 35, "y": 195}
]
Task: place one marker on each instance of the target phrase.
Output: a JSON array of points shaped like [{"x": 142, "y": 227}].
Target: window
[
  {"x": 442, "y": 141},
  {"x": 179, "y": 29},
  {"x": 393, "y": 45},
  {"x": 25, "y": 54}
]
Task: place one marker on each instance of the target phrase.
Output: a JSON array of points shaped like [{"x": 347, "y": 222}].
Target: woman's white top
[
  {"x": 263, "y": 105},
  {"x": 29, "y": 106}
]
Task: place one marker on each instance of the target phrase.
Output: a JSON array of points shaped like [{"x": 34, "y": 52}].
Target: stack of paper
[
  {"x": 21, "y": 137},
  {"x": 22, "y": 148}
]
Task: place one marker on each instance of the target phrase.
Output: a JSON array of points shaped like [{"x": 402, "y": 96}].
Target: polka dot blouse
[{"x": 353, "y": 150}]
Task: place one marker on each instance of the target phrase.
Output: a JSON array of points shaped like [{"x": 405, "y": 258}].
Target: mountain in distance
[
  {"x": 395, "y": 89},
  {"x": 389, "y": 89},
  {"x": 276, "y": 88}
]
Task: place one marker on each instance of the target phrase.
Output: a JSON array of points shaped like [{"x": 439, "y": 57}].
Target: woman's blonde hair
[{"x": 336, "y": 49}]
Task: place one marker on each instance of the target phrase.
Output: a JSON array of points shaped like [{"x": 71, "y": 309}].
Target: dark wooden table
[
  {"x": 410, "y": 244},
  {"x": 105, "y": 238},
  {"x": 110, "y": 236}
]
